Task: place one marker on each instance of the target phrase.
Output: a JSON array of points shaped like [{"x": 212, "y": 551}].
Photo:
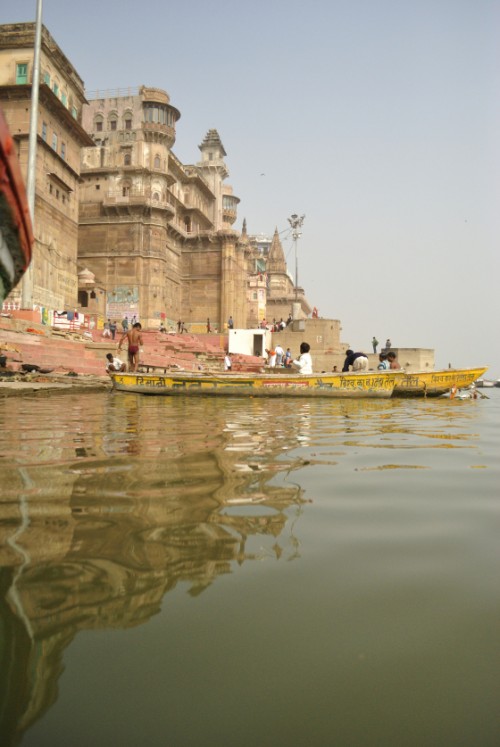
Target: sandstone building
[
  {"x": 156, "y": 233},
  {"x": 122, "y": 227},
  {"x": 60, "y": 139}
]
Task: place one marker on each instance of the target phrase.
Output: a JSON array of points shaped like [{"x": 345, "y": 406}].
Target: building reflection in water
[{"x": 114, "y": 510}]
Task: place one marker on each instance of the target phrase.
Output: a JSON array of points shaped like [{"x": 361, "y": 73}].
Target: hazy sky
[{"x": 377, "y": 119}]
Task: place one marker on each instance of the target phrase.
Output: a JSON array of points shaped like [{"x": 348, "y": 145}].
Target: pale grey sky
[{"x": 377, "y": 119}]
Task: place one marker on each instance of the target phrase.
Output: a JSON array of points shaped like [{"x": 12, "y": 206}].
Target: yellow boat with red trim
[
  {"x": 435, "y": 383},
  {"x": 370, "y": 384}
]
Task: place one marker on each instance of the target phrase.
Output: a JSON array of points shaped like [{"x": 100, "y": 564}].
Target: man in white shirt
[
  {"x": 279, "y": 355},
  {"x": 114, "y": 364},
  {"x": 304, "y": 361}
]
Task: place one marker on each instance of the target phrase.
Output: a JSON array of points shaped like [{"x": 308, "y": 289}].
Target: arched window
[
  {"x": 83, "y": 299},
  {"x": 127, "y": 120},
  {"x": 113, "y": 122},
  {"x": 187, "y": 223},
  {"x": 157, "y": 163},
  {"x": 98, "y": 122},
  {"x": 127, "y": 159}
]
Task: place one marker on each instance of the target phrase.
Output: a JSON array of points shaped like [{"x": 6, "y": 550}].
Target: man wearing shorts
[{"x": 134, "y": 338}]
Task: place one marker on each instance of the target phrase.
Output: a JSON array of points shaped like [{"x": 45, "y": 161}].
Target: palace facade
[{"x": 122, "y": 227}]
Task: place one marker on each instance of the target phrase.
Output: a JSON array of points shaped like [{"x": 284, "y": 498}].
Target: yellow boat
[
  {"x": 338, "y": 385},
  {"x": 436, "y": 383}
]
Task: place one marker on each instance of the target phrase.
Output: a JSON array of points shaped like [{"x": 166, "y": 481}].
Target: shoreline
[{"x": 52, "y": 383}]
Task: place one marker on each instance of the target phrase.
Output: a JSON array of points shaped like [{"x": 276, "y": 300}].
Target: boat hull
[
  {"x": 16, "y": 235},
  {"x": 338, "y": 386},
  {"x": 436, "y": 383}
]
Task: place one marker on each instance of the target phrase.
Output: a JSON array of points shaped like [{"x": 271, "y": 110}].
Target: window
[
  {"x": 44, "y": 131},
  {"x": 46, "y": 79},
  {"x": 156, "y": 113},
  {"x": 112, "y": 124},
  {"x": 127, "y": 159},
  {"x": 64, "y": 99},
  {"x": 128, "y": 124},
  {"x": 55, "y": 88},
  {"x": 157, "y": 162},
  {"x": 63, "y": 151},
  {"x": 21, "y": 73},
  {"x": 54, "y": 141},
  {"x": 98, "y": 125},
  {"x": 73, "y": 112}
]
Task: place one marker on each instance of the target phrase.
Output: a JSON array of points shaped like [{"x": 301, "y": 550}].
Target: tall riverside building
[
  {"x": 156, "y": 233},
  {"x": 60, "y": 138}
]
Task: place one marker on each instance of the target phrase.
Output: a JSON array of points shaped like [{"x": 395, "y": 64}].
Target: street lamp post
[{"x": 296, "y": 223}]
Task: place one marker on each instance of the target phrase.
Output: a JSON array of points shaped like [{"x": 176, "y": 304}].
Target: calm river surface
[{"x": 211, "y": 572}]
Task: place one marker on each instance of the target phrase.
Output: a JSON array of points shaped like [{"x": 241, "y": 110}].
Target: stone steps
[{"x": 60, "y": 352}]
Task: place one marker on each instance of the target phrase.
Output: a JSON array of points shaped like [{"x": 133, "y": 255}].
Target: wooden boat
[
  {"x": 16, "y": 237},
  {"x": 485, "y": 383},
  {"x": 338, "y": 385},
  {"x": 436, "y": 383}
]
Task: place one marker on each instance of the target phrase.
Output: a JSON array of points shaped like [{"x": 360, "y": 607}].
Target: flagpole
[{"x": 27, "y": 282}]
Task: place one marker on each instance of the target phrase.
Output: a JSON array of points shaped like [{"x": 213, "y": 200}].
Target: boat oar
[{"x": 483, "y": 396}]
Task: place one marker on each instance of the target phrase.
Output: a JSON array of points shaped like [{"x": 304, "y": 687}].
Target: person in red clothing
[{"x": 134, "y": 338}]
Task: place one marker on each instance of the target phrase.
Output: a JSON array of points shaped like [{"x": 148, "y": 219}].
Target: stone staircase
[{"x": 65, "y": 352}]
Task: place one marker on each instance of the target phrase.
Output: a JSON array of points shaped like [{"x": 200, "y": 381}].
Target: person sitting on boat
[
  {"x": 358, "y": 361},
  {"x": 304, "y": 361},
  {"x": 114, "y": 364},
  {"x": 393, "y": 361},
  {"x": 384, "y": 364},
  {"x": 228, "y": 364}
]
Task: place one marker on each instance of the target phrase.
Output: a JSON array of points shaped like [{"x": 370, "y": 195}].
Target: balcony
[
  {"x": 229, "y": 215},
  {"x": 116, "y": 201},
  {"x": 160, "y": 130}
]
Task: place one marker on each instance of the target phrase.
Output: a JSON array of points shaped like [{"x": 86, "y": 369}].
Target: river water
[{"x": 211, "y": 572}]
